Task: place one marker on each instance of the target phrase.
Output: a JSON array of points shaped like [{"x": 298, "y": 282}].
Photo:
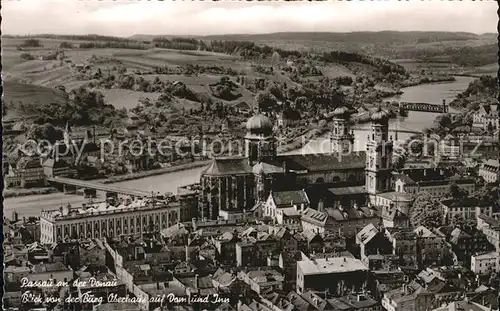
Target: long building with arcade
[{"x": 128, "y": 217}]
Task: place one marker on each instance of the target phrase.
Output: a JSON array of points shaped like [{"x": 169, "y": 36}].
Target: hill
[{"x": 16, "y": 93}]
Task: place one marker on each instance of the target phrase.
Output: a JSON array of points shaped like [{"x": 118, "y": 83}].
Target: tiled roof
[
  {"x": 267, "y": 168},
  {"x": 396, "y": 196},
  {"x": 282, "y": 198},
  {"x": 28, "y": 163},
  {"x": 315, "y": 216},
  {"x": 227, "y": 166},
  {"x": 50, "y": 267},
  {"x": 324, "y": 162},
  {"x": 348, "y": 190},
  {"x": 308, "y": 162},
  {"x": 367, "y": 233},
  {"x": 489, "y": 220},
  {"x": 391, "y": 213},
  {"x": 331, "y": 265},
  {"x": 349, "y": 213},
  {"x": 423, "y": 232}
]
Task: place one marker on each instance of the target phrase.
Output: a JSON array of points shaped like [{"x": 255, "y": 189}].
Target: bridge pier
[{"x": 69, "y": 189}]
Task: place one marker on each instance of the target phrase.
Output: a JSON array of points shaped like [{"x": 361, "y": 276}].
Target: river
[{"x": 430, "y": 93}]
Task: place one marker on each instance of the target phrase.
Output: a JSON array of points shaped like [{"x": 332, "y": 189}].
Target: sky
[{"x": 129, "y": 17}]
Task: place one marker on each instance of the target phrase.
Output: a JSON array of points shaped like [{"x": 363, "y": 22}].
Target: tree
[
  {"x": 460, "y": 222},
  {"x": 456, "y": 192},
  {"x": 426, "y": 211},
  {"x": 275, "y": 59},
  {"x": 66, "y": 45},
  {"x": 45, "y": 132},
  {"x": 265, "y": 101}
]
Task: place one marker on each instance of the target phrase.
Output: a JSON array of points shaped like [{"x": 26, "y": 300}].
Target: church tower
[
  {"x": 342, "y": 138},
  {"x": 379, "y": 148},
  {"x": 260, "y": 143}
]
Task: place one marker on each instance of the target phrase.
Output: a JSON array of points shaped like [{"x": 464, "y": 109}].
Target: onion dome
[
  {"x": 380, "y": 116},
  {"x": 341, "y": 112},
  {"x": 259, "y": 124}
]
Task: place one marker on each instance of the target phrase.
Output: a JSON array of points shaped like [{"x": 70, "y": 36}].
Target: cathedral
[{"x": 240, "y": 184}]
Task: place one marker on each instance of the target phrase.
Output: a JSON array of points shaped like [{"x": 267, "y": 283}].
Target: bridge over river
[{"x": 423, "y": 107}]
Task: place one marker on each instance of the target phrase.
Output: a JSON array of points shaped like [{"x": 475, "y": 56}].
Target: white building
[
  {"x": 467, "y": 208},
  {"x": 484, "y": 264},
  {"x": 286, "y": 207},
  {"x": 103, "y": 220},
  {"x": 490, "y": 171}
]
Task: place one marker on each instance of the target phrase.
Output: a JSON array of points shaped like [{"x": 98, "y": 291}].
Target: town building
[
  {"x": 286, "y": 207},
  {"x": 346, "y": 222},
  {"x": 432, "y": 249},
  {"x": 467, "y": 208},
  {"x": 58, "y": 168},
  {"x": 262, "y": 280},
  {"x": 331, "y": 274},
  {"x": 28, "y": 172},
  {"x": 372, "y": 241},
  {"x": 487, "y": 118},
  {"x": 490, "y": 171},
  {"x": 435, "y": 181},
  {"x": 490, "y": 227},
  {"x": 104, "y": 220},
  {"x": 485, "y": 263}
]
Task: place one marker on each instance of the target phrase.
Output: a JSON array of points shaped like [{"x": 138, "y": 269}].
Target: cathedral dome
[
  {"x": 341, "y": 111},
  {"x": 379, "y": 116},
  {"x": 259, "y": 124}
]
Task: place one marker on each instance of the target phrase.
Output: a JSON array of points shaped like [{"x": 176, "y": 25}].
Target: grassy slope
[{"x": 15, "y": 92}]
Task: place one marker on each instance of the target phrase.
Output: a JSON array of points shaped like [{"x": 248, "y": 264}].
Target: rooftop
[
  {"x": 99, "y": 208},
  {"x": 290, "y": 197},
  {"x": 50, "y": 267},
  {"x": 489, "y": 255},
  {"x": 331, "y": 265}
]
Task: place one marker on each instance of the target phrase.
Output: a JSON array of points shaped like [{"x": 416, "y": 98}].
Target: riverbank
[
  {"x": 428, "y": 80},
  {"x": 14, "y": 193}
]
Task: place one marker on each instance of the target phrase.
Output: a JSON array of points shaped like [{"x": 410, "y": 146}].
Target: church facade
[{"x": 236, "y": 184}]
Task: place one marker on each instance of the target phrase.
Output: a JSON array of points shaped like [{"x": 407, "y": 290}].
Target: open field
[{"x": 126, "y": 98}]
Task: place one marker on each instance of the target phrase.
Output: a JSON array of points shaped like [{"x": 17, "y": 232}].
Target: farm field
[{"x": 126, "y": 98}]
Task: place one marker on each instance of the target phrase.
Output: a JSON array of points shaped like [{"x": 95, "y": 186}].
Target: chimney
[
  {"x": 196, "y": 281},
  {"x": 157, "y": 285},
  {"x": 284, "y": 167},
  {"x": 187, "y": 253},
  {"x": 15, "y": 216},
  {"x": 193, "y": 221}
]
